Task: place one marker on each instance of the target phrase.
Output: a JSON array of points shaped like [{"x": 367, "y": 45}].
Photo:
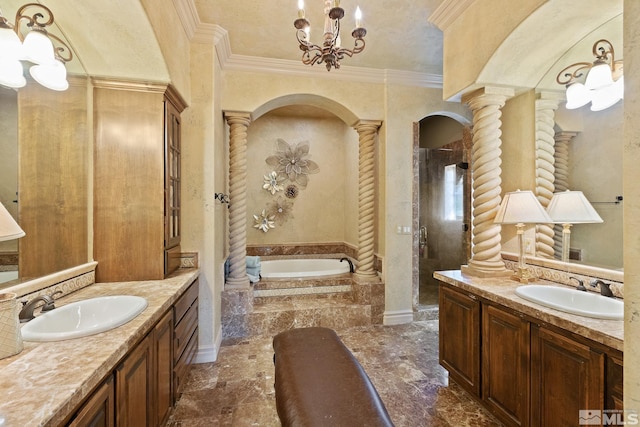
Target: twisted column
[
  {"x": 238, "y": 124},
  {"x": 561, "y": 173},
  {"x": 486, "y": 258},
  {"x": 545, "y": 111},
  {"x": 367, "y": 132}
]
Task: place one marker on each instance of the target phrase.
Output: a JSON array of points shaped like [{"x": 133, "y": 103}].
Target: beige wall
[
  {"x": 323, "y": 211},
  {"x": 9, "y": 158},
  {"x": 631, "y": 206}
]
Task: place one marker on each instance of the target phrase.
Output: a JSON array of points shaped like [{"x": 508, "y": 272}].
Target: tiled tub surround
[
  {"x": 46, "y": 382},
  {"x": 501, "y": 290}
]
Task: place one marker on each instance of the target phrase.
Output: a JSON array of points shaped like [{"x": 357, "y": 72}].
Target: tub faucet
[
  {"x": 28, "y": 307},
  {"x": 605, "y": 289},
  {"x": 351, "y": 270}
]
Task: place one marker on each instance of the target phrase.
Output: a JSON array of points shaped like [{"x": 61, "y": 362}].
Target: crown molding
[
  {"x": 199, "y": 32},
  {"x": 447, "y": 12}
]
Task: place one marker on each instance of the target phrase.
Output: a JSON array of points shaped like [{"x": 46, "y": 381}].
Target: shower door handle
[{"x": 423, "y": 237}]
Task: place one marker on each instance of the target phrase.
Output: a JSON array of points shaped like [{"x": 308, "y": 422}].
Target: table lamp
[
  {"x": 9, "y": 228},
  {"x": 568, "y": 208},
  {"x": 520, "y": 208}
]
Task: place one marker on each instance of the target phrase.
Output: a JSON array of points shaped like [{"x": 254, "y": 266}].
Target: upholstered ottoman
[{"x": 318, "y": 382}]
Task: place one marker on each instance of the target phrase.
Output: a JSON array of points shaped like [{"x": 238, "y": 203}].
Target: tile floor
[{"x": 402, "y": 362}]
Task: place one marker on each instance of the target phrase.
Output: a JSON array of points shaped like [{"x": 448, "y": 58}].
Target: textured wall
[{"x": 323, "y": 211}]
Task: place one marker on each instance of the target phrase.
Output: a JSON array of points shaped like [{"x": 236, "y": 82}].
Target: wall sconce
[
  {"x": 520, "y": 208},
  {"x": 9, "y": 228},
  {"x": 603, "y": 80},
  {"x": 36, "y": 47},
  {"x": 568, "y": 208}
]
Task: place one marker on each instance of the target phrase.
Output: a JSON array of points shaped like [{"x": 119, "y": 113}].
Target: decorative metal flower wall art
[
  {"x": 280, "y": 209},
  {"x": 264, "y": 221},
  {"x": 293, "y": 161},
  {"x": 291, "y": 191},
  {"x": 272, "y": 182}
]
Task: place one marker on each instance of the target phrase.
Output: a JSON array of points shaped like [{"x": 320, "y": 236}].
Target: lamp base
[{"x": 524, "y": 275}]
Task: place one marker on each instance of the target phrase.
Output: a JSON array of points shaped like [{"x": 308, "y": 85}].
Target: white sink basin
[
  {"x": 572, "y": 301},
  {"x": 83, "y": 318}
]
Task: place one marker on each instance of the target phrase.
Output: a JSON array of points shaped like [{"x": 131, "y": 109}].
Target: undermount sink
[
  {"x": 588, "y": 304},
  {"x": 84, "y": 318}
]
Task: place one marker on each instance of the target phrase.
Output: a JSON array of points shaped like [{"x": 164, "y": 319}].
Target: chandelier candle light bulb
[{"x": 358, "y": 17}]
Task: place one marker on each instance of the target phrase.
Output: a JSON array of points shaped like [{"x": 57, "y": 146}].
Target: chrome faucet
[
  {"x": 28, "y": 307},
  {"x": 605, "y": 288}
]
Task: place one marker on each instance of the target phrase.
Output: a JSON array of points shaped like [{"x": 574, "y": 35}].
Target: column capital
[
  {"x": 506, "y": 92},
  {"x": 237, "y": 117},
  {"x": 363, "y": 124}
]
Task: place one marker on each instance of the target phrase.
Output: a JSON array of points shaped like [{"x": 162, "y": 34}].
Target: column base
[
  {"x": 473, "y": 271},
  {"x": 237, "y": 283},
  {"x": 367, "y": 277}
]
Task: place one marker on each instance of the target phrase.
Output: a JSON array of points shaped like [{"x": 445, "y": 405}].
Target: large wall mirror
[{"x": 45, "y": 180}]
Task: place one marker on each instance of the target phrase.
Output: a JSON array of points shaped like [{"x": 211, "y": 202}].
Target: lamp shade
[
  {"x": 9, "y": 228},
  {"x": 37, "y": 47},
  {"x": 521, "y": 207},
  {"x": 572, "y": 207},
  {"x": 52, "y": 75},
  {"x": 577, "y": 96},
  {"x": 599, "y": 76}
]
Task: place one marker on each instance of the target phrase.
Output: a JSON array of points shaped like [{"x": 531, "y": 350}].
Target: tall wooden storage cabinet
[{"x": 136, "y": 209}]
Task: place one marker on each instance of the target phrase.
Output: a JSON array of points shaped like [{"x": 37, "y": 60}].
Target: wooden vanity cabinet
[
  {"x": 98, "y": 410},
  {"x": 566, "y": 376},
  {"x": 527, "y": 373},
  {"x": 136, "y": 206},
  {"x": 185, "y": 342},
  {"x": 459, "y": 328},
  {"x": 143, "y": 388},
  {"x": 505, "y": 364}
]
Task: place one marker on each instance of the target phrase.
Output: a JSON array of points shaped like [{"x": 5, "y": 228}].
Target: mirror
[{"x": 46, "y": 148}]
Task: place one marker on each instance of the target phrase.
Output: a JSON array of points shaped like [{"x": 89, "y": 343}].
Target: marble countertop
[
  {"x": 501, "y": 290},
  {"x": 44, "y": 383}
]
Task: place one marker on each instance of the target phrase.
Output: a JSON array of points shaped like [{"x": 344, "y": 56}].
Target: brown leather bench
[{"x": 318, "y": 382}]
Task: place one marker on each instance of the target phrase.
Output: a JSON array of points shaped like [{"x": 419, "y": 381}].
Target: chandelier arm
[
  {"x": 37, "y": 19},
  {"x": 60, "y": 50},
  {"x": 565, "y": 77}
]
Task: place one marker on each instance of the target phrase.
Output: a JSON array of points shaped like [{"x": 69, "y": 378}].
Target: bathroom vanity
[
  {"x": 130, "y": 375},
  {"x": 528, "y": 364}
]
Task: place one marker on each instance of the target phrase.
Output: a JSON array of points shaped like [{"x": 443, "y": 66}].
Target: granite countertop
[
  {"x": 44, "y": 383},
  {"x": 501, "y": 290}
]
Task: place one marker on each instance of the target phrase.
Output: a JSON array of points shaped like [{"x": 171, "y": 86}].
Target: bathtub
[{"x": 302, "y": 267}]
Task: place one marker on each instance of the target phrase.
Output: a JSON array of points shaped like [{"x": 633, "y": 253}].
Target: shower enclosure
[{"x": 444, "y": 188}]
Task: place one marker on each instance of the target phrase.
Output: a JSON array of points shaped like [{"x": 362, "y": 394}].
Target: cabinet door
[
  {"x": 163, "y": 341},
  {"x": 98, "y": 410},
  {"x": 134, "y": 387},
  {"x": 566, "y": 377},
  {"x": 615, "y": 395},
  {"x": 505, "y": 365},
  {"x": 460, "y": 338},
  {"x": 172, "y": 175}
]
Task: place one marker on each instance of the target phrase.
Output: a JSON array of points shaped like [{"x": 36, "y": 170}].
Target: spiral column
[
  {"x": 545, "y": 142},
  {"x": 238, "y": 124},
  {"x": 367, "y": 132},
  {"x": 561, "y": 173},
  {"x": 486, "y": 258}
]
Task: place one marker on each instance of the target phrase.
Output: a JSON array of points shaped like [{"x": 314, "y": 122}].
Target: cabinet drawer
[
  {"x": 185, "y": 301},
  {"x": 183, "y": 364},
  {"x": 184, "y": 331}
]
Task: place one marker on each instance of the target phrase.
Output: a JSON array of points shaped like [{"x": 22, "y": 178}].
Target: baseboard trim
[
  {"x": 210, "y": 353},
  {"x": 397, "y": 317}
]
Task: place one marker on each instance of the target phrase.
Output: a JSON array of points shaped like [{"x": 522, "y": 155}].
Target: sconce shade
[
  {"x": 577, "y": 96},
  {"x": 9, "y": 228},
  {"x": 599, "y": 76},
  {"x": 572, "y": 207},
  {"x": 10, "y": 44},
  {"x": 521, "y": 207},
  {"x": 52, "y": 75},
  {"x": 11, "y": 73},
  {"x": 38, "y": 47}
]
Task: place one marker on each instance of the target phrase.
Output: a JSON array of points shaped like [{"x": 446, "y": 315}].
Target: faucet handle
[{"x": 580, "y": 283}]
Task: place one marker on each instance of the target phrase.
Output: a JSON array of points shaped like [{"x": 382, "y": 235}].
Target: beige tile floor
[{"x": 402, "y": 362}]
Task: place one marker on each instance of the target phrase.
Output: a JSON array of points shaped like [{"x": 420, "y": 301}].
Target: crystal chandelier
[
  {"x": 603, "y": 80},
  {"x": 330, "y": 53}
]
